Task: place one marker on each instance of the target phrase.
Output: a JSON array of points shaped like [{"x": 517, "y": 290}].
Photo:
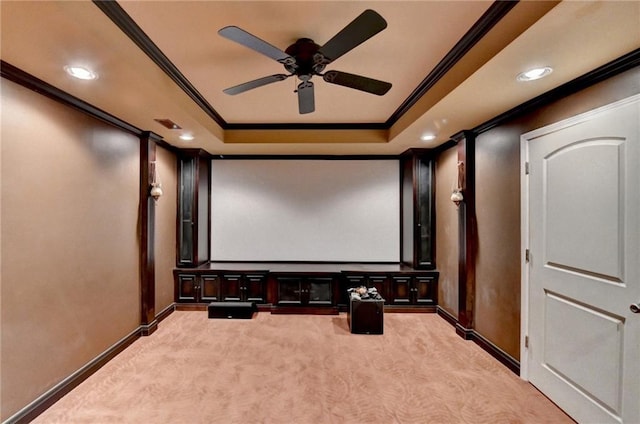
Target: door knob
[{"x": 635, "y": 308}]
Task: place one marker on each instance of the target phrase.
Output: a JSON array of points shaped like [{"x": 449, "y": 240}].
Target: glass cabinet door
[
  {"x": 425, "y": 221},
  {"x": 320, "y": 290},
  {"x": 418, "y": 217},
  {"x": 185, "y": 211},
  {"x": 289, "y": 291}
]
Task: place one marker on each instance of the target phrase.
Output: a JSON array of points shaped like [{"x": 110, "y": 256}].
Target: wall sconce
[
  {"x": 156, "y": 185},
  {"x": 456, "y": 195}
]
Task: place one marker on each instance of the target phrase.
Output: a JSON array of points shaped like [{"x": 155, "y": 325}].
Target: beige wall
[
  {"x": 70, "y": 252},
  {"x": 165, "y": 228},
  {"x": 69, "y": 236},
  {"x": 498, "y": 283},
  {"x": 447, "y": 231},
  {"x": 497, "y": 302}
]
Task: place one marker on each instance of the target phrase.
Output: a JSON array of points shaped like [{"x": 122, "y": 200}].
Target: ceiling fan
[{"x": 305, "y": 58}]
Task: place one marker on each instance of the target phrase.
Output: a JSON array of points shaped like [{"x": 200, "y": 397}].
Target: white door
[{"x": 583, "y": 275}]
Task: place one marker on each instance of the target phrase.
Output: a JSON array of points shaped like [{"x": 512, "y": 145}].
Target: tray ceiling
[{"x": 477, "y": 84}]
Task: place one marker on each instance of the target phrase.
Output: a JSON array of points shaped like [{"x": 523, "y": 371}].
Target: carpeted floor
[{"x": 303, "y": 369}]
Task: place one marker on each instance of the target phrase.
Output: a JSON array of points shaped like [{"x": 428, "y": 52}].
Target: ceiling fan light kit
[{"x": 305, "y": 58}]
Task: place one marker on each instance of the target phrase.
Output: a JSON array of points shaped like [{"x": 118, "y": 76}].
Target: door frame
[
  {"x": 525, "y": 139},
  {"x": 524, "y": 245}
]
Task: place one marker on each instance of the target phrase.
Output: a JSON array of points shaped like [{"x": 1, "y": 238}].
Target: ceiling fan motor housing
[{"x": 304, "y": 51}]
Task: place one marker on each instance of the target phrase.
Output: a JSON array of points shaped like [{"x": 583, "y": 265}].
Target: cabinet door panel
[
  {"x": 210, "y": 288},
  {"x": 187, "y": 288},
  {"x": 424, "y": 290},
  {"x": 254, "y": 288},
  {"x": 380, "y": 283},
  {"x": 231, "y": 288},
  {"x": 355, "y": 281},
  {"x": 320, "y": 291},
  {"x": 401, "y": 290},
  {"x": 289, "y": 291},
  {"x": 351, "y": 281}
]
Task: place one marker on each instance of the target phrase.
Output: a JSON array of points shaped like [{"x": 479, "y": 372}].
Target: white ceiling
[{"x": 573, "y": 37}]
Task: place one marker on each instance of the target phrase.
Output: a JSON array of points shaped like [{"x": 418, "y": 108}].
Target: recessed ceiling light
[
  {"x": 534, "y": 74},
  {"x": 186, "y": 137},
  {"x": 81, "y": 72},
  {"x": 427, "y": 137}
]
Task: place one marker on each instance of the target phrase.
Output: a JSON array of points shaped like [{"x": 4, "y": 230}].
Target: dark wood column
[
  {"x": 148, "y": 321},
  {"x": 194, "y": 214},
  {"x": 467, "y": 234}
]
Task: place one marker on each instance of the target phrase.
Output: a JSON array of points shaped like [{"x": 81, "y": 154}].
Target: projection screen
[{"x": 325, "y": 210}]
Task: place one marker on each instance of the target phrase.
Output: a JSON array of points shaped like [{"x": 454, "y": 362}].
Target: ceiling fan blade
[
  {"x": 241, "y": 88},
  {"x": 365, "y": 26},
  {"x": 358, "y": 82},
  {"x": 306, "y": 98},
  {"x": 241, "y": 36}
]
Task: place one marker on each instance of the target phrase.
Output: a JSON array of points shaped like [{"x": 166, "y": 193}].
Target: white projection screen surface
[{"x": 321, "y": 210}]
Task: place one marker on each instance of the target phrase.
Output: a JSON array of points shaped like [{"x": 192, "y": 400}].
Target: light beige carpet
[{"x": 303, "y": 369}]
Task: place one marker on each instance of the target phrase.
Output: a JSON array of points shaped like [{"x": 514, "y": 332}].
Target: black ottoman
[{"x": 366, "y": 316}]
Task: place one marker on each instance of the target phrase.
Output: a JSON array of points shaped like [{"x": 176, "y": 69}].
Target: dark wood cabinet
[
  {"x": 210, "y": 288},
  {"x": 413, "y": 290},
  {"x": 186, "y": 288},
  {"x": 305, "y": 290},
  {"x": 418, "y": 206},
  {"x": 380, "y": 282},
  {"x": 320, "y": 291},
  {"x": 194, "y": 183},
  {"x": 193, "y": 288},
  {"x": 397, "y": 289},
  {"x": 244, "y": 288},
  {"x": 290, "y": 291},
  {"x": 220, "y": 287}
]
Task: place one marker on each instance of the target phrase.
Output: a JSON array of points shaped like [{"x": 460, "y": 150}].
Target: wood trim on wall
[
  {"x": 611, "y": 69},
  {"x": 468, "y": 242},
  {"x": 488, "y": 20},
  {"x": 148, "y": 320},
  {"x": 57, "y": 392},
  {"x": 119, "y": 17},
  {"x": 467, "y": 233},
  {"x": 306, "y": 157},
  {"x": 166, "y": 312},
  {"x": 46, "y": 400},
  {"x": 148, "y": 143},
  {"x": 26, "y": 80},
  {"x": 472, "y": 335}
]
